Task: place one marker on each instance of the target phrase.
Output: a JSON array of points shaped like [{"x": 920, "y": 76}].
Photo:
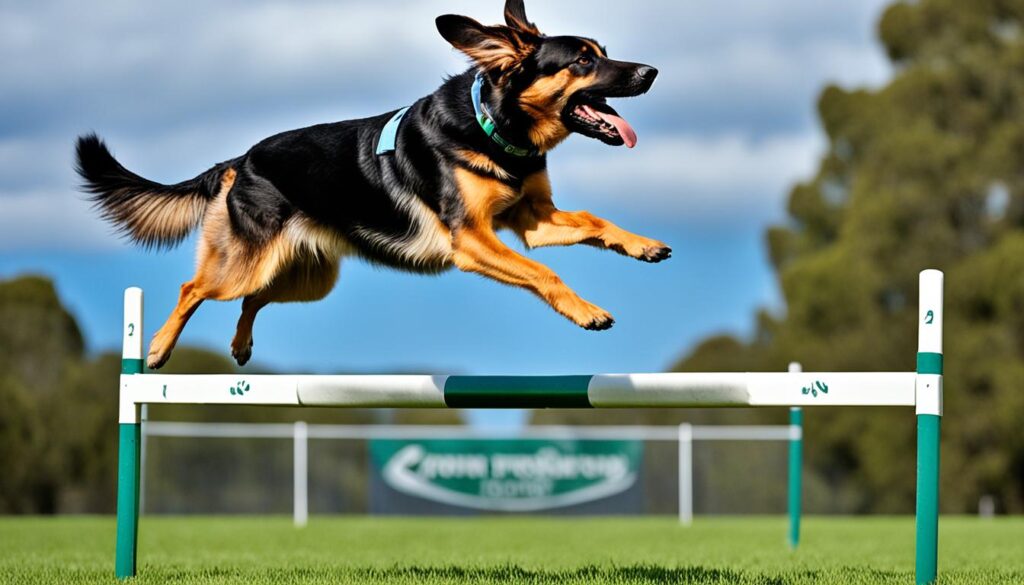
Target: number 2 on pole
[{"x": 929, "y": 318}]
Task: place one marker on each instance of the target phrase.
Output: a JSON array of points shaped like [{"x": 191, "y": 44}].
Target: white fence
[{"x": 300, "y": 433}]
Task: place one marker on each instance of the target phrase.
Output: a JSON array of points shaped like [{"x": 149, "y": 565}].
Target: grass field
[{"x": 362, "y": 550}]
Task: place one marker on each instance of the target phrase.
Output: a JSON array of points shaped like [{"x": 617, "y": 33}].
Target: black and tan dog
[{"x": 422, "y": 189}]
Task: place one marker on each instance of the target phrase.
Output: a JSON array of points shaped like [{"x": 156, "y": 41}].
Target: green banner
[{"x": 508, "y": 475}]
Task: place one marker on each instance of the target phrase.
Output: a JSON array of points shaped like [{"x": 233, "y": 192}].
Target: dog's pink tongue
[{"x": 625, "y": 130}]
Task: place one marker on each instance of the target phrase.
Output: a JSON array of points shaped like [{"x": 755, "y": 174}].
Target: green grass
[{"x": 256, "y": 551}]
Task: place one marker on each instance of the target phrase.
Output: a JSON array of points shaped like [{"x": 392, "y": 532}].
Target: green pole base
[
  {"x": 928, "y": 427},
  {"x": 127, "y": 501}
]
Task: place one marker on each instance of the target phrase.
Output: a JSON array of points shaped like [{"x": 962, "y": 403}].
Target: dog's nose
[{"x": 647, "y": 73}]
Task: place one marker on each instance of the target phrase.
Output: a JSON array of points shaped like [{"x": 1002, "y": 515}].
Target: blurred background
[{"x": 804, "y": 159}]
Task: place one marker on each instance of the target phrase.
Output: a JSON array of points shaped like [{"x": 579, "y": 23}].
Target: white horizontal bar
[
  {"x": 240, "y": 389},
  {"x": 373, "y": 391},
  {"x": 676, "y": 390},
  {"x": 752, "y": 389},
  {"x": 215, "y": 389},
  {"x": 639, "y": 433}
]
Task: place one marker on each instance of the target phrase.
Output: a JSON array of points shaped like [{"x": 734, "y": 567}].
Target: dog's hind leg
[
  {"x": 228, "y": 268},
  {"x": 298, "y": 263},
  {"x": 165, "y": 339},
  {"x": 241, "y": 345},
  {"x": 203, "y": 286},
  {"x": 225, "y": 273},
  {"x": 305, "y": 280}
]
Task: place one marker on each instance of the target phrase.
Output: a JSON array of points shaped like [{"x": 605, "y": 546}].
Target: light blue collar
[
  {"x": 389, "y": 135},
  {"x": 490, "y": 127}
]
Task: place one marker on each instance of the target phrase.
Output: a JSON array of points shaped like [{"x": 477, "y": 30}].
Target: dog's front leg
[
  {"x": 539, "y": 223},
  {"x": 479, "y": 250},
  {"x": 548, "y": 226}
]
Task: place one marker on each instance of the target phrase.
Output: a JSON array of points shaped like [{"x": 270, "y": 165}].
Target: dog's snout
[{"x": 647, "y": 73}]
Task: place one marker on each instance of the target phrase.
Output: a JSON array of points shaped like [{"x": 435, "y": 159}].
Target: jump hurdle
[{"x": 921, "y": 389}]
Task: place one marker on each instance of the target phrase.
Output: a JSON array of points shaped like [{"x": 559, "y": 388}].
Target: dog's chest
[{"x": 485, "y": 197}]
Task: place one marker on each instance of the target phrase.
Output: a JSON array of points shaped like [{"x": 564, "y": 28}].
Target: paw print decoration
[
  {"x": 815, "y": 388},
  {"x": 240, "y": 389}
]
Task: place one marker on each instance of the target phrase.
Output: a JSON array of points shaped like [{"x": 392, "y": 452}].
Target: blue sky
[{"x": 175, "y": 86}]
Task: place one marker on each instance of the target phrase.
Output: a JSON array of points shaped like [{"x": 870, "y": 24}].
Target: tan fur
[
  {"x": 544, "y": 101},
  {"x": 482, "y": 162},
  {"x": 502, "y": 52},
  {"x": 155, "y": 216},
  {"x": 315, "y": 240},
  {"x": 483, "y": 197},
  {"x": 593, "y": 47}
]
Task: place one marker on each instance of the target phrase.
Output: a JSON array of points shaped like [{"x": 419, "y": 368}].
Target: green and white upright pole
[
  {"x": 929, "y": 417},
  {"x": 128, "y": 455},
  {"x": 796, "y": 450}
]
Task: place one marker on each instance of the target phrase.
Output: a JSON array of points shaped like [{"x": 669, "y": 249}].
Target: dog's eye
[{"x": 584, "y": 61}]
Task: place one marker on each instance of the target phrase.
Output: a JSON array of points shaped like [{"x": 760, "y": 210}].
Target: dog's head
[{"x": 558, "y": 85}]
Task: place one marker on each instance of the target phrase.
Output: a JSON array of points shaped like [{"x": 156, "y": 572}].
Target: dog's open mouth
[{"x": 592, "y": 116}]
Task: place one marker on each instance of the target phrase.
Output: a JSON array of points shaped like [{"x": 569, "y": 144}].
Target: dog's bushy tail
[{"x": 148, "y": 213}]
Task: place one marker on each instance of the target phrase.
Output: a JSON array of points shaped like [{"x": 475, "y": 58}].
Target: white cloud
[
  {"x": 693, "y": 176},
  {"x": 50, "y": 220},
  {"x": 772, "y": 65}
]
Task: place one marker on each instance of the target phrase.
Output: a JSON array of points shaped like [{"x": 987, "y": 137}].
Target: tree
[{"x": 925, "y": 172}]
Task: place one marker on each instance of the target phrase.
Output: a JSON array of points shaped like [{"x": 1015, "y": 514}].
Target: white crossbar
[{"x": 672, "y": 390}]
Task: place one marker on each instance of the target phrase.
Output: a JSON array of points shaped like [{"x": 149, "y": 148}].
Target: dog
[{"x": 422, "y": 189}]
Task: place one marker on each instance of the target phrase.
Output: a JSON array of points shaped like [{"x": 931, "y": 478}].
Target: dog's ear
[
  {"x": 491, "y": 47},
  {"x": 515, "y": 17}
]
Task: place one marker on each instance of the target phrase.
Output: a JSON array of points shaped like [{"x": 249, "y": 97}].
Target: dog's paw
[
  {"x": 600, "y": 324},
  {"x": 589, "y": 316},
  {"x": 242, "y": 354},
  {"x": 655, "y": 254},
  {"x": 156, "y": 360}
]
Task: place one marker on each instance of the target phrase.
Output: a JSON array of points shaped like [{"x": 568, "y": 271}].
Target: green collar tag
[{"x": 490, "y": 128}]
